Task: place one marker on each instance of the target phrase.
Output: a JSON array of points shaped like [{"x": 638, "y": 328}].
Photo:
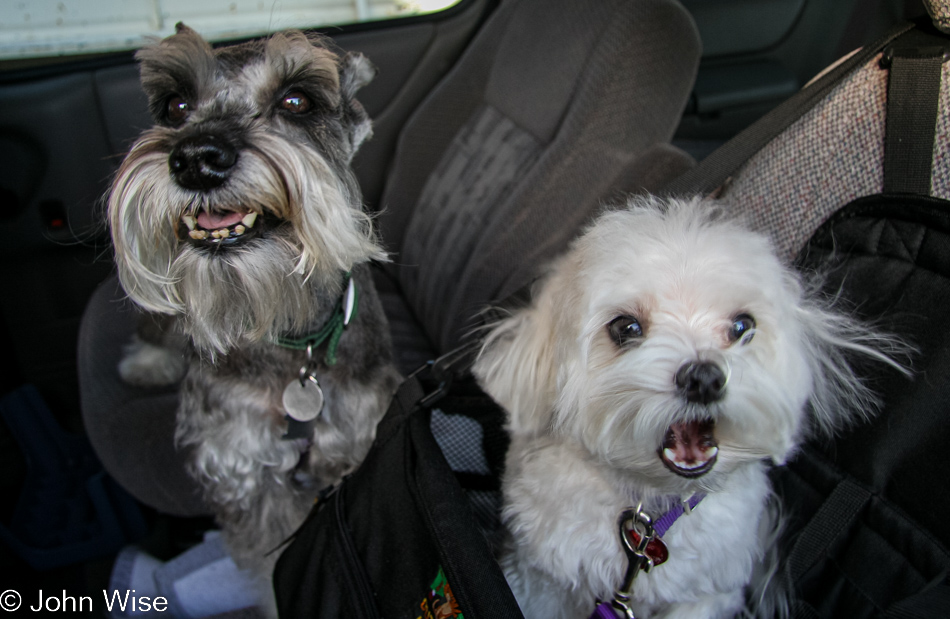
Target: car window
[{"x": 49, "y": 28}]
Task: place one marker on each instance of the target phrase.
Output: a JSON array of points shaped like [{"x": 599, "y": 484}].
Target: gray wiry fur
[{"x": 232, "y": 301}]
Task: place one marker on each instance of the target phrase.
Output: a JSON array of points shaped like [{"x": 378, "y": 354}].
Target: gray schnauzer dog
[{"x": 237, "y": 217}]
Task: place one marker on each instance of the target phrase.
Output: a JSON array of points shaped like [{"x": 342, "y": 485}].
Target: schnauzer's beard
[{"x": 266, "y": 286}]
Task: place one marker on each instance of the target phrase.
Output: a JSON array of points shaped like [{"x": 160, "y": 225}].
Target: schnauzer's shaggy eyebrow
[
  {"x": 296, "y": 60},
  {"x": 176, "y": 65}
]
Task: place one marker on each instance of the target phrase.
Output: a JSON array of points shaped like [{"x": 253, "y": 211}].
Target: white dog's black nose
[
  {"x": 202, "y": 162},
  {"x": 701, "y": 381}
]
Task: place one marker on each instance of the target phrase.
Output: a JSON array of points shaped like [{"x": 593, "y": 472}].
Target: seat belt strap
[{"x": 913, "y": 95}]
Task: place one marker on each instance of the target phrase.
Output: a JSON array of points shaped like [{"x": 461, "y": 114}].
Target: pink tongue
[
  {"x": 690, "y": 441},
  {"x": 216, "y": 221}
]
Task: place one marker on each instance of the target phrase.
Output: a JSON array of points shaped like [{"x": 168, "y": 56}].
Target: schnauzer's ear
[
  {"x": 181, "y": 28},
  {"x": 355, "y": 72},
  {"x": 518, "y": 366}
]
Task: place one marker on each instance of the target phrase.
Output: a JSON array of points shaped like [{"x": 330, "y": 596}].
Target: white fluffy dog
[{"x": 668, "y": 355}]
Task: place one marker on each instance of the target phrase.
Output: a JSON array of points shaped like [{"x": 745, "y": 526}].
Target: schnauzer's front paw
[{"x": 149, "y": 365}]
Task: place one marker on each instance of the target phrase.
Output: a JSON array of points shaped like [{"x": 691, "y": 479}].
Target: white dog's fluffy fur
[{"x": 592, "y": 376}]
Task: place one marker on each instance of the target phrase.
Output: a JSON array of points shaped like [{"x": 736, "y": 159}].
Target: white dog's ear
[
  {"x": 517, "y": 366},
  {"x": 840, "y": 397}
]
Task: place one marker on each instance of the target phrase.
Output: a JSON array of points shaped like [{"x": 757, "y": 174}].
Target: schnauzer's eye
[
  {"x": 743, "y": 329},
  {"x": 296, "y": 102},
  {"x": 624, "y": 329},
  {"x": 177, "y": 109}
]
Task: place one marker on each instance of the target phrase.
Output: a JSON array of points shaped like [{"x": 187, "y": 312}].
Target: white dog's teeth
[
  {"x": 668, "y": 453},
  {"x": 249, "y": 220},
  {"x": 239, "y": 230},
  {"x": 189, "y": 221},
  {"x": 712, "y": 453},
  {"x": 198, "y": 235},
  {"x": 223, "y": 233}
]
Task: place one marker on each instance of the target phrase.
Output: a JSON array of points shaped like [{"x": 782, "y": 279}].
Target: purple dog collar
[
  {"x": 663, "y": 525},
  {"x": 604, "y": 611}
]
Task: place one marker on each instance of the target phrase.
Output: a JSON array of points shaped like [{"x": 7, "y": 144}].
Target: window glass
[{"x": 38, "y": 28}]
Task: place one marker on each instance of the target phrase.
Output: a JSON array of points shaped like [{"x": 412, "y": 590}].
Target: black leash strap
[{"x": 916, "y": 62}]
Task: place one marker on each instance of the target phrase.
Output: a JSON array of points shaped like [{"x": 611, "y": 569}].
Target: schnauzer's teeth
[
  {"x": 249, "y": 220},
  {"x": 223, "y": 233},
  {"x": 189, "y": 221},
  {"x": 198, "y": 235},
  {"x": 239, "y": 230}
]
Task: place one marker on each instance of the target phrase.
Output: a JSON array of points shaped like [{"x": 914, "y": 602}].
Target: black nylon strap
[
  {"x": 832, "y": 519},
  {"x": 715, "y": 169},
  {"x": 913, "y": 94}
]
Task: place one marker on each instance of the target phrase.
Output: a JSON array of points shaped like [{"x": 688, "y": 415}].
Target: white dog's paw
[{"x": 149, "y": 365}]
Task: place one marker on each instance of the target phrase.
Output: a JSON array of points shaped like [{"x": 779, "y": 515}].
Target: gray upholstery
[
  {"x": 556, "y": 107},
  {"x": 130, "y": 428}
]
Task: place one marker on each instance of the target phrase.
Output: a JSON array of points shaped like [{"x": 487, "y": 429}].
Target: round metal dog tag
[{"x": 303, "y": 400}]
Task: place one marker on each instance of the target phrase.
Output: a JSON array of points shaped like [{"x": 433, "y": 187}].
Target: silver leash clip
[{"x": 641, "y": 523}]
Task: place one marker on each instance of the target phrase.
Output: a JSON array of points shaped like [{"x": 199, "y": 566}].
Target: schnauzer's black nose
[
  {"x": 702, "y": 382},
  {"x": 202, "y": 162}
]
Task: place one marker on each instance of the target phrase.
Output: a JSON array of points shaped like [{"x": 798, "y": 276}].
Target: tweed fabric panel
[
  {"x": 488, "y": 157},
  {"x": 940, "y": 12},
  {"x": 940, "y": 181},
  {"x": 831, "y": 156}
]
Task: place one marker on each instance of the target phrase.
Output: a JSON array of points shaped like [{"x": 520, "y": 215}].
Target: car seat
[{"x": 555, "y": 107}]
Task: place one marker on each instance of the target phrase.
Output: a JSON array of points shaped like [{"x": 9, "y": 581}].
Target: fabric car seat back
[{"x": 555, "y": 107}]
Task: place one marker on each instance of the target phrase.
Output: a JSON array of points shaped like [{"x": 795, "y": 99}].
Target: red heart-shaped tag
[{"x": 655, "y": 549}]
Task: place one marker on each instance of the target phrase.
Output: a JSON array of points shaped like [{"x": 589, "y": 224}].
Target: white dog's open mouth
[
  {"x": 217, "y": 228},
  {"x": 689, "y": 449}
]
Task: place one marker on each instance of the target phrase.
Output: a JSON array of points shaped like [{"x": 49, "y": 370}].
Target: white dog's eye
[
  {"x": 624, "y": 329},
  {"x": 743, "y": 329}
]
